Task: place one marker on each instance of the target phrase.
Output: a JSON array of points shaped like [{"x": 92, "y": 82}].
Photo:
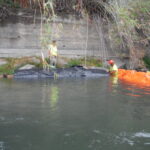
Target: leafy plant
[
  {"x": 74, "y": 62},
  {"x": 89, "y": 62},
  {"x": 146, "y": 60}
]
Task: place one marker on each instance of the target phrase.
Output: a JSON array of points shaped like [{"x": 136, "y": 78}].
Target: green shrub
[
  {"x": 94, "y": 62},
  {"x": 6, "y": 69},
  {"x": 146, "y": 60},
  {"x": 74, "y": 62},
  {"x": 89, "y": 62}
]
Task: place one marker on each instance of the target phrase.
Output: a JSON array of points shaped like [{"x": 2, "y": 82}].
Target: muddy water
[{"x": 74, "y": 114}]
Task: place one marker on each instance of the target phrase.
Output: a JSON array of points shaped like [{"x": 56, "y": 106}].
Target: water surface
[{"x": 74, "y": 114}]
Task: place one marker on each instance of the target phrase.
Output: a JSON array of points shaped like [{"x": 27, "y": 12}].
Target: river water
[{"x": 74, "y": 114}]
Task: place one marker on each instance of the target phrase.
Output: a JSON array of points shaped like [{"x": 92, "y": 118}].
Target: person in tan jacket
[{"x": 52, "y": 49}]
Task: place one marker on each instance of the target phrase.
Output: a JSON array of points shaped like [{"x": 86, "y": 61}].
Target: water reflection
[
  {"x": 54, "y": 96},
  {"x": 113, "y": 84},
  {"x": 135, "y": 90},
  {"x": 2, "y": 147},
  {"x": 114, "y": 80},
  {"x": 50, "y": 95}
]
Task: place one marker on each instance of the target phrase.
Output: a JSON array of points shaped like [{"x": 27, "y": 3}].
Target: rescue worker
[
  {"x": 113, "y": 69},
  {"x": 52, "y": 49}
]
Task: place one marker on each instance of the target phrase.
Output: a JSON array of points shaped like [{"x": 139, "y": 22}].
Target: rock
[
  {"x": 3, "y": 62},
  {"x": 27, "y": 67},
  {"x": 10, "y": 76}
]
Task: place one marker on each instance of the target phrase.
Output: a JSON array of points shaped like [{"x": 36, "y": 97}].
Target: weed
[
  {"x": 89, "y": 62},
  {"x": 74, "y": 62}
]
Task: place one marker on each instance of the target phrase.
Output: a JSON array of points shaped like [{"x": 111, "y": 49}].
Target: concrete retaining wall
[{"x": 22, "y": 38}]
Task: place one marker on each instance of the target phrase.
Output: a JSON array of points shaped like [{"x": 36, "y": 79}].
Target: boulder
[
  {"x": 3, "y": 62},
  {"x": 27, "y": 67}
]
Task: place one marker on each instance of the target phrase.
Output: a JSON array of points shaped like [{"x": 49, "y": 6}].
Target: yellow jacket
[
  {"x": 52, "y": 50},
  {"x": 113, "y": 69}
]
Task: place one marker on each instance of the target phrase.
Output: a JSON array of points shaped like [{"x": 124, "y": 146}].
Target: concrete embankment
[{"x": 20, "y": 36}]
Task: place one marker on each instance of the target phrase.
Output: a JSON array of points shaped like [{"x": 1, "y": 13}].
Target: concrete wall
[{"x": 22, "y": 38}]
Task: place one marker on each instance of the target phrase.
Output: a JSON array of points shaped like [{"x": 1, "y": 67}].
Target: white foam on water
[
  {"x": 96, "y": 131},
  {"x": 2, "y": 145},
  {"x": 142, "y": 135},
  {"x": 146, "y": 143}
]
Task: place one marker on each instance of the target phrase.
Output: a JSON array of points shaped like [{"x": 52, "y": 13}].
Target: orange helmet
[{"x": 111, "y": 62}]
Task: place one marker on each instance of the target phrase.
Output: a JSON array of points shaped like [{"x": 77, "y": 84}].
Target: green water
[{"x": 74, "y": 114}]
